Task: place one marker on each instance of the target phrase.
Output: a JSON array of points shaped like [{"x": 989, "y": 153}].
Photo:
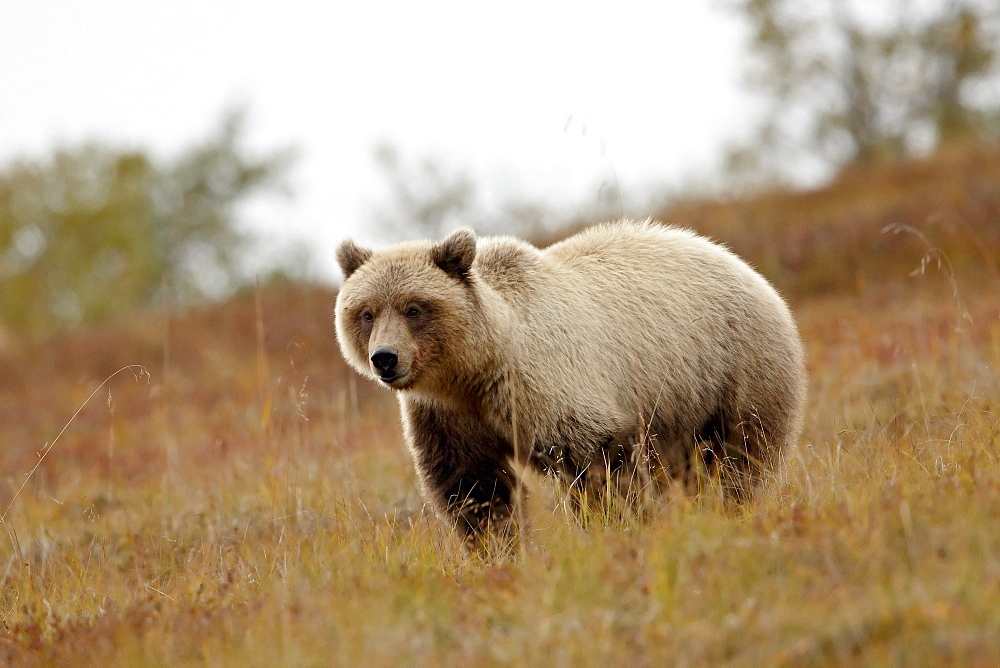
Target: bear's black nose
[{"x": 384, "y": 360}]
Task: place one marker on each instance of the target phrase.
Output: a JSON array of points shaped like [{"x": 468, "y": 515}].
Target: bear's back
[
  {"x": 647, "y": 261},
  {"x": 508, "y": 265},
  {"x": 643, "y": 245},
  {"x": 514, "y": 267},
  {"x": 628, "y": 300},
  {"x": 647, "y": 270}
]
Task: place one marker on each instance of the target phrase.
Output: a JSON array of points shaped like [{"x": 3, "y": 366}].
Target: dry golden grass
[{"x": 250, "y": 503}]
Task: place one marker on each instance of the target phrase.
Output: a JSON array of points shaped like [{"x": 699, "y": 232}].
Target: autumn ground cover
[{"x": 240, "y": 498}]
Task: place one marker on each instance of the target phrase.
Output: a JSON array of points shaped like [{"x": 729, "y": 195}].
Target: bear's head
[{"x": 403, "y": 313}]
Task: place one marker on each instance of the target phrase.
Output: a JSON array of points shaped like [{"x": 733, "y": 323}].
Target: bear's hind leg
[{"x": 736, "y": 453}]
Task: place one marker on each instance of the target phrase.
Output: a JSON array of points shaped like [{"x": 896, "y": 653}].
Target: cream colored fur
[{"x": 625, "y": 333}]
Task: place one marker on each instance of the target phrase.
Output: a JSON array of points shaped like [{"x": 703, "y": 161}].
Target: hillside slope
[
  {"x": 244, "y": 499},
  {"x": 869, "y": 229}
]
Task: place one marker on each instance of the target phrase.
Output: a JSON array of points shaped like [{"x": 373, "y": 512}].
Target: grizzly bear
[{"x": 631, "y": 351}]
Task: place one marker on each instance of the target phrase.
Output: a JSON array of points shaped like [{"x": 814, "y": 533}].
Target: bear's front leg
[
  {"x": 464, "y": 468},
  {"x": 480, "y": 499}
]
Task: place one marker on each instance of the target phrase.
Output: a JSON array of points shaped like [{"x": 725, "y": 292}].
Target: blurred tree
[
  {"x": 962, "y": 47},
  {"x": 848, "y": 84},
  {"x": 426, "y": 199},
  {"x": 93, "y": 230}
]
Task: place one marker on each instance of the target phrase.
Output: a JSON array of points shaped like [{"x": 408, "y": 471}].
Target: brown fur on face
[
  {"x": 401, "y": 303},
  {"x": 619, "y": 352}
]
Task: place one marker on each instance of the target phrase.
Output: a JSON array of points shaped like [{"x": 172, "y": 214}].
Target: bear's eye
[
  {"x": 367, "y": 316},
  {"x": 413, "y": 312}
]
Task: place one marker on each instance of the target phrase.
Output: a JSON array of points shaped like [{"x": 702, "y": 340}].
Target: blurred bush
[
  {"x": 848, "y": 84},
  {"x": 94, "y": 230}
]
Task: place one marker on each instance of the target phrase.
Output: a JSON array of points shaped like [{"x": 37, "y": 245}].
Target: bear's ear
[
  {"x": 350, "y": 256},
  {"x": 455, "y": 254}
]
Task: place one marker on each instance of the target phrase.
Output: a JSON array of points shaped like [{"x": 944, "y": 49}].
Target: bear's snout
[{"x": 385, "y": 360}]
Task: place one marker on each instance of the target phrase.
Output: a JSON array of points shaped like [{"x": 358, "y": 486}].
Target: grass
[{"x": 251, "y": 503}]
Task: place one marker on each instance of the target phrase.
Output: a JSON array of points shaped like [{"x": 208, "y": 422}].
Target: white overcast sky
[{"x": 490, "y": 86}]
